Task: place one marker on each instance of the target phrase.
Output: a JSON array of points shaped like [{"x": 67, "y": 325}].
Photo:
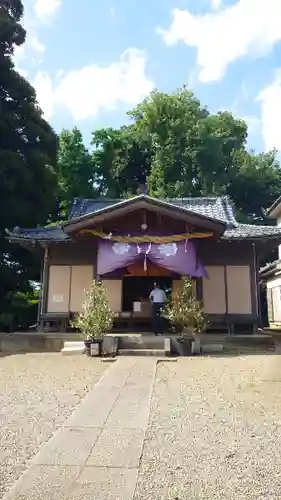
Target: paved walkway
[{"x": 96, "y": 453}]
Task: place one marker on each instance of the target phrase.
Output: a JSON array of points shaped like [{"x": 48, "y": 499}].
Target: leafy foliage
[
  {"x": 177, "y": 148},
  {"x": 121, "y": 160},
  {"x": 185, "y": 312},
  {"x": 96, "y": 318},
  {"x": 75, "y": 170},
  {"x": 21, "y": 312},
  {"x": 28, "y": 148}
]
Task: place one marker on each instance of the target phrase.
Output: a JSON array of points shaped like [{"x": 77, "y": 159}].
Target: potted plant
[
  {"x": 95, "y": 320},
  {"x": 186, "y": 315}
]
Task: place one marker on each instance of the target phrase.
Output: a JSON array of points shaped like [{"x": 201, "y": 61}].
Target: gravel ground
[
  {"x": 37, "y": 393},
  {"x": 215, "y": 430}
]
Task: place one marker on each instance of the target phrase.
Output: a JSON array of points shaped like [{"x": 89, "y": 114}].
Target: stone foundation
[{"x": 31, "y": 342}]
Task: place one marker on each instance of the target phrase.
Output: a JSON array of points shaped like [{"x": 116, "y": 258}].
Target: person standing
[{"x": 158, "y": 299}]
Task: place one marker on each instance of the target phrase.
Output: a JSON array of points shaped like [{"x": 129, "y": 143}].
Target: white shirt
[{"x": 158, "y": 296}]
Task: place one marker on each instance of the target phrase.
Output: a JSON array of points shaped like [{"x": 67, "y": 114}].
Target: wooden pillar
[
  {"x": 95, "y": 266},
  {"x": 230, "y": 326},
  {"x": 40, "y": 292},
  {"x": 199, "y": 289},
  {"x": 255, "y": 289},
  {"x": 44, "y": 287}
]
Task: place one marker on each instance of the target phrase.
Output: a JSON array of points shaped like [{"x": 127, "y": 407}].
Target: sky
[{"x": 92, "y": 61}]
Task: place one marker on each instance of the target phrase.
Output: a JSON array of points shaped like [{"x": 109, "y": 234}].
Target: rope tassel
[{"x": 145, "y": 257}]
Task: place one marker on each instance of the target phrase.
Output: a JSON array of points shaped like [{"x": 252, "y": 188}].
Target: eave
[
  {"x": 36, "y": 237},
  {"x": 144, "y": 202},
  {"x": 270, "y": 270}
]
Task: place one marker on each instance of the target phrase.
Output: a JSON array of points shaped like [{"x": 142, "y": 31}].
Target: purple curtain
[{"x": 177, "y": 257}]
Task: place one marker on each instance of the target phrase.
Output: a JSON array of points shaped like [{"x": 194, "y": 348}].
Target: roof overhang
[
  {"x": 274, "y": 268},
  {"x": 31, "y": 240},
  {"x": 147, "y": 203},
  {"x": 274, "y": 210}
]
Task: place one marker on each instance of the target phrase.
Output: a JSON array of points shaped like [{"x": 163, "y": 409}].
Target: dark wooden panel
[
  {"x": 224, "y": 253},
  {"x": 73, "y": 253}
]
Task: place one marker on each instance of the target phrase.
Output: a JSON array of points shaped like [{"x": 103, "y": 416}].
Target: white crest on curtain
[
  {"x": 121, "y": 248},
  {"x": 168, "y": 249}
]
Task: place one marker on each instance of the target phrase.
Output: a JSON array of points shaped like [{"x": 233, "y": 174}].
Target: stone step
[
  {"x": 74, "y": 342},
  {"x": 142, "y": 342},
  {"x": 73, "y": 348},
  {"x": 249, "y": 340},
  {"x": 211, "y": 348},
  {"x": 142, "y": 352}
]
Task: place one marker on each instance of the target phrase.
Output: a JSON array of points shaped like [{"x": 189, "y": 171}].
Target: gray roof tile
[
  {"x": 220, "y": 209},
  {"x": 244, "y": 231},
  {"x": 86, "y": 206},
  {"x": 52, "y": 233}
]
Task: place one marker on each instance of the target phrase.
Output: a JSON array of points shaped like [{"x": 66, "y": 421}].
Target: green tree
[
  {"x": 171, "y": 122},
  {"x": 180, "y": 149},
  {"x": 255, "y": 185},
  {"x": 121, "y": 161},
  {"x": 76, "y": 173},
  {"x": 192, "y": 147},
  {"x": 28, "y": 148}
]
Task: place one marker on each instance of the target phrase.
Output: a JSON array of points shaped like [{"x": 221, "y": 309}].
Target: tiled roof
[
  {"x": 219, "y": 209},
  {"x": 53, "y": 233},
  {"x": 240, "y": 232},
  {"x": 86, "y": 206},
  {"x": 244, "y": 231}
]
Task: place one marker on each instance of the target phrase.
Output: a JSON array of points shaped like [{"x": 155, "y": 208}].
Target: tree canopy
[
  {"x": 28, "y": 148},
  {"x": 177, "y": 148},
  {"x": 76, "y": 176}
]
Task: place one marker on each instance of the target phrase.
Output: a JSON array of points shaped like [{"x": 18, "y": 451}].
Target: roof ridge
[
  {"x": 104, "y": 198},
  {"x": 195, "y": 198}
]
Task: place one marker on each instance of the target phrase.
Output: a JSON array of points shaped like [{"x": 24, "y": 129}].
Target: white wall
[
  {"x": 67, "y": 287},
  {"x": 274, "y": 299},
  {"x": 279, "y": 224},
  {"x": 214, "y": 299},
  {"x": 239, "y": 295},
  {"x": 274, "y": 281}
]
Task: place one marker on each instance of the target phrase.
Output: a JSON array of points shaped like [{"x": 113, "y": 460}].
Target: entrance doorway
[{"x": 138, "y": 288}]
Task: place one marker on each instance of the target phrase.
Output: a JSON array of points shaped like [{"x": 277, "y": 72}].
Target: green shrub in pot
[
  {"x": 96, "y": 317},
  {"x": 186, "y": 314}
]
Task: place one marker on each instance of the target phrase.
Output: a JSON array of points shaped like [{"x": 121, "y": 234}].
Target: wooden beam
[{"x": 45, "y": 285}]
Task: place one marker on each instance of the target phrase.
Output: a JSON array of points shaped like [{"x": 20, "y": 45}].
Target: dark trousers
[{"x": 157, "y": 320}]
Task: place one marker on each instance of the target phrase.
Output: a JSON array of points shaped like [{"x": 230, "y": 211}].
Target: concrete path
[{"x": 96, "y": 453}]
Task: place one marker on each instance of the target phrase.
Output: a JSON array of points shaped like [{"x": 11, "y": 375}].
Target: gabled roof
[
  {"x": 179, "y": 209},
  {"x": 220, "y": 210},
  {"x": 217, "y": 208}
]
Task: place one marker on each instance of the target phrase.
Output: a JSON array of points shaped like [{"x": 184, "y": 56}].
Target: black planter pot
[
  {"x": 184, "y": 346},
  {"x": 93, "y": 347}
]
